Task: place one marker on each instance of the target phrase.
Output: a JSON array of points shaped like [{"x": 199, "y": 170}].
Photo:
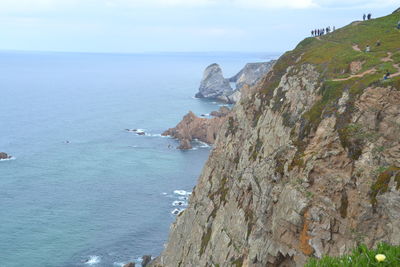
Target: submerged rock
[
  {"x": 222, "y": 112},
  {"x": 4, "y": 155},
  {"x": 146, "y": 259},
  {"x": 214, "y": 85}
]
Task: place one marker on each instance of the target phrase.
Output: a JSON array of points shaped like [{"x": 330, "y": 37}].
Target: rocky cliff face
[
  {"x": 192, "y": 127},
  {"x": 251, "y": 74},
  {"x": 307, "y": 164},
  {"x": 214, "y": 85}
]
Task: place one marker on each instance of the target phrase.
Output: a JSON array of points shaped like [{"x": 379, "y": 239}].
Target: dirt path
[
  {"x": 371, "y": 71},
  {"x": 397, "y": 66},
  {"x": 356, "y": 48},
  {"x": 388, "y": 58}
]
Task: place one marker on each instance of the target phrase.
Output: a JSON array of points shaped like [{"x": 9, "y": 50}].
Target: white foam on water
[
  {"x": 178, "y": 203},
  {"x": 119, "y": 264},
  {"x": 182, "y": 193},
  {"x": 177, "y": 211},
  {"x": 164, "y": 193},
  {"x": 202, "y": 144},
  {"x": 93, "y": 260},
  {"x": 12, "y": 158}
]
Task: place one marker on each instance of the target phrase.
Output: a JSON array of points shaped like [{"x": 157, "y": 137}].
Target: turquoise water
[{"x": 105, "y": 195}]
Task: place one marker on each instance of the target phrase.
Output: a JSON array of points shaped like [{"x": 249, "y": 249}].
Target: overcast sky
[{"x": 173, "y": 25}]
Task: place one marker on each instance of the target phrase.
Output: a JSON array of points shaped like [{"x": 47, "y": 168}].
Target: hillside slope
[{"x": 309, "y": 162}]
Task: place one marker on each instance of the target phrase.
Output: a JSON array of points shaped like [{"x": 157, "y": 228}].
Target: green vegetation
[
  {"x": 204, "y": 240},
  {"x": 382, "y": 183},
  {"x": 361, "y": 257},
  {"x": 332, "y": 56}
]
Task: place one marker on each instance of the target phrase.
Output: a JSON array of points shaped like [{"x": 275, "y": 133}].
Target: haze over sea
[{"x": 105, "y": 195}]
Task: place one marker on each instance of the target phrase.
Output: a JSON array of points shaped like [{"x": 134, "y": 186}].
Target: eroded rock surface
[
  {"x": 192, "y": 127},
  {"x": 306, "y": 165},
  {"x": 251, "y": 74},
  {"x": 214, "y": 85},
  {"x": 278, "y": 189}
]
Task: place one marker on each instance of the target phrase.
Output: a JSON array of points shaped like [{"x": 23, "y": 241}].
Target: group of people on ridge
[
  {"x": 320, "y": 32},
  {"x": 368, "y": 17}
]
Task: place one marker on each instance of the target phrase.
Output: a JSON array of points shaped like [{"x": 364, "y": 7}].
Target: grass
[
  {"x": 331, "y": 55},
  {"x": 361, "y": 257}
]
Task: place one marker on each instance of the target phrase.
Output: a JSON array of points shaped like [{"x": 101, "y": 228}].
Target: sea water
[{"x": 81, "y": 190}]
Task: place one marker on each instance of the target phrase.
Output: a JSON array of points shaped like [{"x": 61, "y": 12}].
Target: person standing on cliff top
[
  {"x": 369, "y": 16},
  {"x": 312, "y": 33},
  {"x": 364, "y": 16}
]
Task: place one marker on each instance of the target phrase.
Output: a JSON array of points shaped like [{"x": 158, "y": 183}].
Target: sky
[{"x": 137, "y": 26}]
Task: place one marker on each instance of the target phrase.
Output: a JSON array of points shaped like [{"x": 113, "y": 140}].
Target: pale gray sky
[{"x": 173, "y": 25}]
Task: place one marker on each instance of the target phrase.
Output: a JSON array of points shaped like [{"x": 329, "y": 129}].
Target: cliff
[
  {"x": 215, "y": 86},
  {"x": 307, "y": 164},
  {"x": 192, "y": 127},
  {"x": 251, "y": 73}
]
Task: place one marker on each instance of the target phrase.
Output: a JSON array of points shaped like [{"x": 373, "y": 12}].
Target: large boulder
[
  {"x": 214, "y": 85},
  {"x": 146, "y": 260},
  {"x": 4, "y": 156}
]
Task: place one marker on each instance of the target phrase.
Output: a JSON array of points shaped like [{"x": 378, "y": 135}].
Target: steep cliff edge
[{"x": 309, "y": 162}]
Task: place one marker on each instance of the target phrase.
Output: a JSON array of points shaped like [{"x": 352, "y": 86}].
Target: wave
[
  {"x": 12, "y": 158},
  {"x": 182, "y": 193},
  {"x": 93, "y": 260},
  {"x": 202, "y": 144},
  {"x": 177, "y": 211},
  {"x": 178, "y": 203}
]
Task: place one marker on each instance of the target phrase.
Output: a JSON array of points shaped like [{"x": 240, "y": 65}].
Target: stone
[
  {"x": 194, "y": 128},
  {"x": 185, "y": 144},
  {"x": 213, "y": 84},
  {"x": 251, "y": 73},
  {"x": 146, "y": 259},
  {"x": 131, "y": 264},
  {"x": 4, "y": 155}
]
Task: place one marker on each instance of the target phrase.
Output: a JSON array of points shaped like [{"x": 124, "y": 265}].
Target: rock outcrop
[
  {"x": 307, "y": 164},
  {"x": 252, "y": 73},
  {"x": 4, "y": 156},
  {"x": 214, "y": 85},
  {"x": 192, "y": 127}
]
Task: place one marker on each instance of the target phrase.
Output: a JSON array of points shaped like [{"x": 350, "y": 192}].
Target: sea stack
[{"x": 214, "y": 85}]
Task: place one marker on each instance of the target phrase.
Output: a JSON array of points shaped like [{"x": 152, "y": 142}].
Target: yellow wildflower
[{"x": 380, "y": 257}]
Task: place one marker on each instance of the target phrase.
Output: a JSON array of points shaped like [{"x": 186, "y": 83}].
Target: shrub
[{"x": 361, "y": 257}]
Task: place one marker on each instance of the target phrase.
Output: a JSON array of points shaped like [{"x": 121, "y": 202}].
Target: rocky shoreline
[
  {"x": 194, "y": 128},
  {"x": 214, "y": 86},
  {"x": 306, "y": 165}
]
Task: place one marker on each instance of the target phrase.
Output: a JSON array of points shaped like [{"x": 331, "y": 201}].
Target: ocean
[{"x": 81, "y": 190}]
